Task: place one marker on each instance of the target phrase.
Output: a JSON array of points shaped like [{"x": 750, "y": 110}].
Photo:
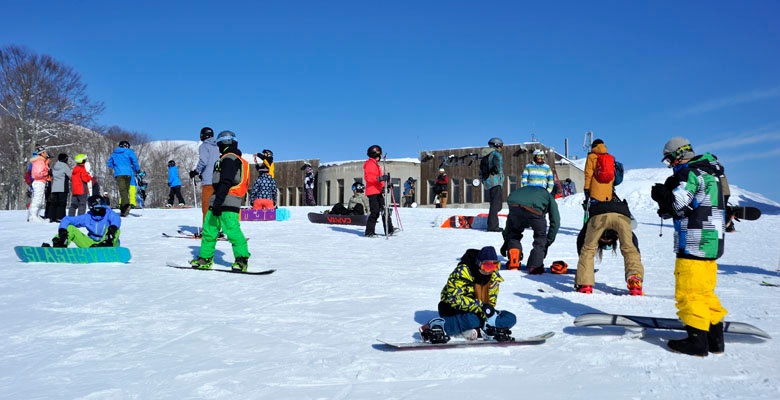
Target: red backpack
[{"x": 605, "y": 168}]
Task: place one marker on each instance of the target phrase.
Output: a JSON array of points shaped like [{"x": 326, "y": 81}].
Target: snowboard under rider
[
  {"x": 231, "y": 182},
  {"x": 102, "y": 225},
  {"x": 608, "y": 223},
  {"x": 468, "y": 301},
  {"x": 693, "y": 197}
]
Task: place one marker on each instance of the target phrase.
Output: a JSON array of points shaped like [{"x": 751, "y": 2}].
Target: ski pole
[
  {"x": 194, "y": 193},
  {"x": 661, "y": 231},
  {"x": 397, "y": 214},
  {"x": 384, "y": 206}
]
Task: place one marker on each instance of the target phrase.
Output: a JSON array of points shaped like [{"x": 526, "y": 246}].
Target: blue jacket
[
  {"x": 173, "y": 176},
  {"x": 96, "y": 226},
  {"x": 124, "y": 162},
  {"x": 208, "y": 155}
]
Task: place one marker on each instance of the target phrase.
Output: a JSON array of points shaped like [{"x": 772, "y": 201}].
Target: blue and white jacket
[{"x": 538, "y": 175}]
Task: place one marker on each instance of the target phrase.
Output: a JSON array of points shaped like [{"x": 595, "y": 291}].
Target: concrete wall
[{"x": 335, "y": 180}]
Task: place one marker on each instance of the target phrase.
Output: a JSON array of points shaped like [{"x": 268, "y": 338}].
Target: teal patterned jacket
[{"x": 497, "y": 163}]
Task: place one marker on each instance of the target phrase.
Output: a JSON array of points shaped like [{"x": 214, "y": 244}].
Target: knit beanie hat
[
  {"x": 62, "y": 157},
  {"x": 488, "y": 253},
  {"x": 596, "y": 143}
]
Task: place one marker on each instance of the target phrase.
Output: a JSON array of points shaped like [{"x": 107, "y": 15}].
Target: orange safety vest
[{"x": 243, "y": 185}]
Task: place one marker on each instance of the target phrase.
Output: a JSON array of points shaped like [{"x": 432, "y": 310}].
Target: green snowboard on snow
[{"x": 73, "y": 255}]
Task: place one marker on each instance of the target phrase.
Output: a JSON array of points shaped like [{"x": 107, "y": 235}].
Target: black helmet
[
  {"x": 124, "y": 144},
  {"x": 97, "y": 205},
  {"x": 496, "y": 142},
  {"x": 358, "y": 187},
  {"x": 171, "y": 163},
  {"x": 268, "y": 153},
  {"x": 62, "y": 157},
  {"x": 206, "y": 133},
  {"x": 374, "y": 151}
]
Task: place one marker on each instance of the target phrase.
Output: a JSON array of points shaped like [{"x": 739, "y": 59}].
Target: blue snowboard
[{"x": 73, "y": 255}]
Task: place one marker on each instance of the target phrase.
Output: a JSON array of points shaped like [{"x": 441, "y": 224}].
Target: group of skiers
[{"x": 694, "y": 196}]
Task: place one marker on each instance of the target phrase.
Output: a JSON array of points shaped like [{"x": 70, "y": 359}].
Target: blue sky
[{"x": 327, "y": 79}]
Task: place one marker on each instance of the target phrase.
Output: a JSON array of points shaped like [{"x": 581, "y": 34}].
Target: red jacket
[
  {"x": 371, "y": 172},
  {"x": 79, "y": 178}
]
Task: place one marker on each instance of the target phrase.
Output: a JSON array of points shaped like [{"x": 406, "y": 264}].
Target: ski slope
[{"x": 308, "y": 331}]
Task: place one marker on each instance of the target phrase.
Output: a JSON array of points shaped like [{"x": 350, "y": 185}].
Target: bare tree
[{"x": 42, "y": 100}]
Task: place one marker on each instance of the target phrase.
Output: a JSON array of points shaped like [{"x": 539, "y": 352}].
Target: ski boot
[
  {"x": 241, "y": 264},
  {"x": 515, "y": 256},
  {"x": 181, "y": 204},
  {"x": 715, "y": 339},
  {"x": 696, "y": 344},
  {"x": 169, "y": 205},
  {"x": 433, "y": 331},
  {"x": 634, "y": 283},
  {"x": 202, "y": 263},
  {"x": 587, "y": 289},
  {"x": 499, "y": 334}
]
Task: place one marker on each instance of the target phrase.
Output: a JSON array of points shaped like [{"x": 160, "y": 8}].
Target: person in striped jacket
[{"x": 538, "y": 173}]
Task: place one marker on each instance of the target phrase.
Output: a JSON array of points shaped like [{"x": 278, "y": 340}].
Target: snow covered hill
[{"x": 145, "y": 331}]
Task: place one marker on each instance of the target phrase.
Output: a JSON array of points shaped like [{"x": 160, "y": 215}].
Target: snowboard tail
[
  {"x": 744, "y": 213},
  {"x": 597, "y": 319},
  {"x": 73, "y": 255},
  {"x": 538, "y": 339}
]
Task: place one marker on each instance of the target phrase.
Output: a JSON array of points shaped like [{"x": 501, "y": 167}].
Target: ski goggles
[{"x": 489, "y": 266}]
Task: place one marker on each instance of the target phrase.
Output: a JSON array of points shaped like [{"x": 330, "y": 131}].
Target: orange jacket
[{"x": 598, "y": 191}]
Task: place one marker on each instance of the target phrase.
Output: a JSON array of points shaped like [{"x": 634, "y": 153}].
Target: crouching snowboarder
[
  {"x": 102, "y": 225},
  {"x": 468, "y": 301}
]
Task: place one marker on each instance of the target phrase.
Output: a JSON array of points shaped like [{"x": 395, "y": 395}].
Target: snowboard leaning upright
[{"x": 72, "y": 255}]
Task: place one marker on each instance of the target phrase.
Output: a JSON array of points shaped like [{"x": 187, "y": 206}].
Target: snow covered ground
[{"x": 308, "y": 331}]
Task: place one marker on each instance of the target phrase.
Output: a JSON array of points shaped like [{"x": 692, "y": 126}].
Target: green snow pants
[
  {"x": 228, "y": 222},
  {"x": 81, "y": 240}
]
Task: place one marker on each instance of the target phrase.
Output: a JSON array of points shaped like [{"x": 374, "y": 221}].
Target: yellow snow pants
[{"x": 694, "y": 290}]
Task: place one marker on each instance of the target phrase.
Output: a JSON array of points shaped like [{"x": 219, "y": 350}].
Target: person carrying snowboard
[
  {"x": 208, "y": 154},
  {"x": 693, "y": 197},
  {"x": 609, "y": 222},
  {"x": 263, "y": 194},
  {"x": 375, "y": 185},
  {"x": 468, "y": 301},
  {"x": 538, "y": 173},
  {"x": 175, "y": 184},
  {"x": 491, "y": 171},
  {"x": 102, "y": 225},
  {"x": 527, "y": 207},
  {"x": 124, "y": 163},
  {"x": 79, "y": 192},
  {"x": 231, "y": 182}
]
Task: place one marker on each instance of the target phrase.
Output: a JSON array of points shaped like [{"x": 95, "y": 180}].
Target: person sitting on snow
[
  {"x": 608, "y": 222},
  {"x": 102, "y": 225},
  {"x": 358, "y": 204},
  {"x": 468, "y": 301}
]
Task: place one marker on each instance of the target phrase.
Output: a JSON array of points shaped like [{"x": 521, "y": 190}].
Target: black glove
[
  {"x": 664, "y": 197},
  {"x": 488, "y": 310},
  {"x": 193, "y": 174},
  {"x": 664, "y": 214},
  {"x": 659, "y": 192},
  {"x": 587, "y": 193},
  {"x": 61, "y": 239},
  {"x": 216, "y": 210},
  {"x": 503, "y": 249},
  {"x": 383, "y": 178},
  {"x": 111, "y": 232}
]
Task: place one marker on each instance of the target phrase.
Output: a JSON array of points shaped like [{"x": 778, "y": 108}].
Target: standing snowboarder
[
  {"x": 693, "y": 197},
  {"x": 308, "y": 186},
  {"x": 231, "y": 182},
  {"x": 538, "y": 173},
  {"x": 39, "y": 173},
  {"x": 208, "y": 154},
  {"x": 608, "y": 222},
  {"x": 468, "y": 301},
  {"x": 527, "y": 207},
  {"x": 125, "y": 165},
  {"x": 491, "y": 171},
  {"x": 375, "y": 185},
  {"x": 80, "y": 191},
  {"x": 175, "y": 184}
]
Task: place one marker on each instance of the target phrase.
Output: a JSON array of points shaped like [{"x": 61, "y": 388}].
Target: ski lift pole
[{"x": 384, "y": 206}]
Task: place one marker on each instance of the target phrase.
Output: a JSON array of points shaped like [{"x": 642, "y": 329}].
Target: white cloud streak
[
  {"x": 730, "y": 101},
  {"x": 740, "y": 140}
]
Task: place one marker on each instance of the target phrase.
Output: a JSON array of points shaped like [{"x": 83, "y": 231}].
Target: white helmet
[{"x": 538, "y": 152}]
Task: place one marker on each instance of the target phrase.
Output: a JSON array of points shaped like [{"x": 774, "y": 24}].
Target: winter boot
[
  {"x": 715, "y": 339},
  {"x": 241, "y": 264},
  {"x": 587, "y": 289},
  {"x": 634, "y": 284},
  {"x": 181, "y": 204},
  {"x": 202, "y": 263},
  {"x": 536, "y": 270},
  {"x": 514, "y": 259},
  {"x": 433, "y": 331},
  {"x": 124, "y": 210},
  {"x": 169, "y": 205},
  {"x": 695, "y": 344}
]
